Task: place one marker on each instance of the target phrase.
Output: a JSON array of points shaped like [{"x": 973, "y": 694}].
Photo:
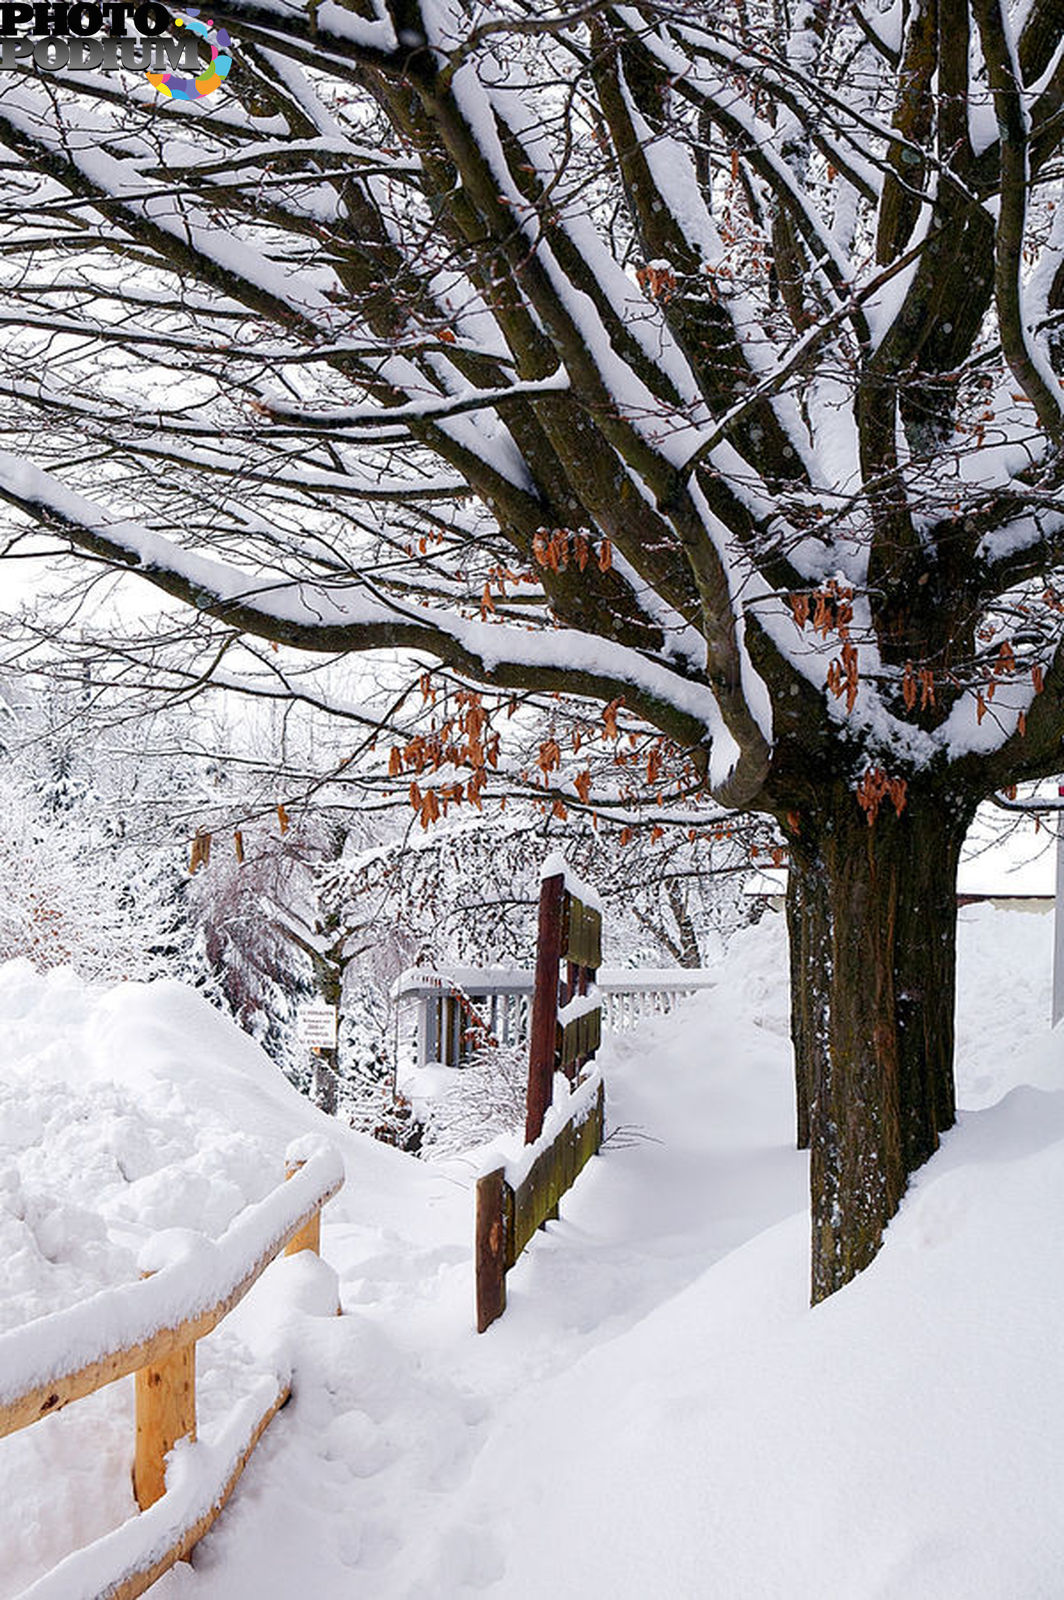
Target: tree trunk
[
  {"x": 689, "y": 955},
  {"x": 329, "y": 971},
  {"x": 872, "y": 919},
  {"x": 807, "y": 933}
]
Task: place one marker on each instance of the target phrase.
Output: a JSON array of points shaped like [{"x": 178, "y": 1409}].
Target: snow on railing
[{"x": 150, "y": 1328}]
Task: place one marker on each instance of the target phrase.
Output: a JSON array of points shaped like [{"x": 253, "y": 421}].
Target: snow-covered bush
[{"x": 473, "y": 1103}]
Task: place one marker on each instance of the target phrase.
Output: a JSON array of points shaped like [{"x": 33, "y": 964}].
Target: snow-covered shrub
[{"x": 479, "y": 1101}]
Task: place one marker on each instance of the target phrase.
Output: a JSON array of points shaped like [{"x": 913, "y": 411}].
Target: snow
[
  {"x": 579, "y": 1006},
  {"x": 706, "y": 1433},
  {"x": 556, "y": 866},
  {"x": 565, "y": 1107},
  {"x": 190, "y": 1275}
]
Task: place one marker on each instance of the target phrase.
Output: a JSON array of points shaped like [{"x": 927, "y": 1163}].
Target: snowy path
[
  {"x": 376, "y": 1474},
  {"x": 658, "y": 1413}
]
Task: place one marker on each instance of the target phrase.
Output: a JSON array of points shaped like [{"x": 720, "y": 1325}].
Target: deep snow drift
[{"x": 659, "y": 1412}]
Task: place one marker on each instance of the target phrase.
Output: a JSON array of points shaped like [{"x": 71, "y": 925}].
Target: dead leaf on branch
[
  {"x": 927, "y": 688},
  {"x": 549, "y": 758},
  {"x": 799, "y": 604},
  {"x": 200, "y": 853},
  {"x": 659, "y": 282},
  {"x": 875, "y": 787}
]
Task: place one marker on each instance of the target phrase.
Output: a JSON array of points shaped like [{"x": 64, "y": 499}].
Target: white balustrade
[{"x": 447, "y": 1002}]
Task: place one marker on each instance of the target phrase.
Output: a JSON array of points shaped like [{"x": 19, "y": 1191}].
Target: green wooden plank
[
  {"x": 593, "y": 947},
  {"x": 551, "y": 1175}
]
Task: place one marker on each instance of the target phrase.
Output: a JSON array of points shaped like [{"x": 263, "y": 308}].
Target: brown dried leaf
[{"x": 799, "y": 604}]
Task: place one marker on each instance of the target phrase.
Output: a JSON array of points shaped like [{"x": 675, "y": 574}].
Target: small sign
[{"x": 317, "y": 1027}]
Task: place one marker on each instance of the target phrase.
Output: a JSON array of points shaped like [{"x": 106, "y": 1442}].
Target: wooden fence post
[
  {"x": 543, "y": 1044},
  {"x": 165, "y": 1412},
  {"x": 491, "y": 1242},
  {"x": 308, "y": 1237}
]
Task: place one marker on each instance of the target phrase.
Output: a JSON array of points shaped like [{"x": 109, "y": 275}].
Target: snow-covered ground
[{"x": 659, "y": 1413}]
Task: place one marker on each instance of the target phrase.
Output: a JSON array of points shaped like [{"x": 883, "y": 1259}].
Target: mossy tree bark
[{"x": 872, "y": 920}]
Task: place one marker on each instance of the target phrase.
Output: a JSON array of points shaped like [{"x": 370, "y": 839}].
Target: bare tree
[
  {"x": 467, "y": 892},
  {"x": 696, "y": 362}
]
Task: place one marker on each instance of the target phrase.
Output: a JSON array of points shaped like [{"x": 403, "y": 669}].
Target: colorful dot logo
[{"x": 211, "y": 77}]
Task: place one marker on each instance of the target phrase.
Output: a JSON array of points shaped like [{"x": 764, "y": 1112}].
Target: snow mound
[{"x": 124, "y": 1113}]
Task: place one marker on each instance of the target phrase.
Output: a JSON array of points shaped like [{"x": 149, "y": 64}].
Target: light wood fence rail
[{"x": 150, "y": 1328}]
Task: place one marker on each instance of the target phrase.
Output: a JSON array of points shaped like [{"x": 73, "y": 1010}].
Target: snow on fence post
[
  {"x": 570, "y": 930},
  {"x": 512, "y": 1203},
  {"x": 165, "y": 1390}
]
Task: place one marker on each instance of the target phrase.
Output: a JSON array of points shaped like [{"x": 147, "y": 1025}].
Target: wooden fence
[
  {"x": 152, "y": 1328},
  {"x": 565, "y": 1032},
  {"x": 513, "y": 1201},
  {"x": 566, "y": 1027}
]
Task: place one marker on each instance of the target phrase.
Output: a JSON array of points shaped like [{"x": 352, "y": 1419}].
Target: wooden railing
[
  {"x": 500, "y": 1000},
  {"x": 516, "y": 1199},
  {"x": 150, "y": 1328}
]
